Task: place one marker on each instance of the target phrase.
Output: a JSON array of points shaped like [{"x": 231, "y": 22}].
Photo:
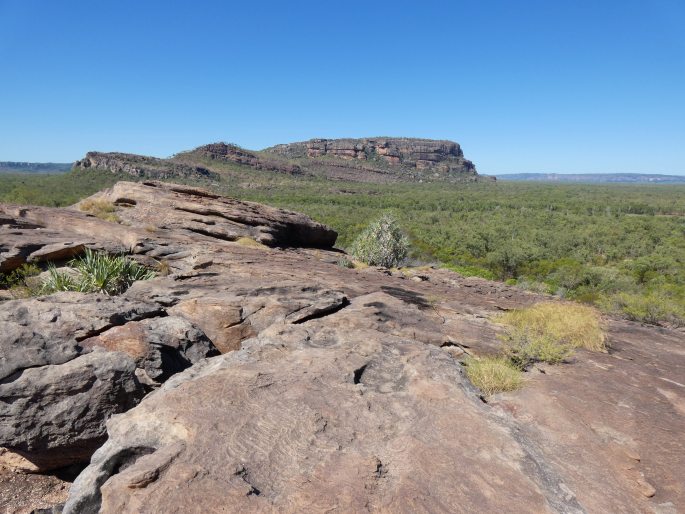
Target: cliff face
[
  {"x": 444, "y": 158},
  {"x": 142, "y": 166},
  {"x": 374, "y": 160}
]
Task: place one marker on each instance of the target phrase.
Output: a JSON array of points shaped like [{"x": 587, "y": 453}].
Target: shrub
[
  {"x": 493, "y": 374},
  {"x": 646, "y": 308},
  {"x": 97, "y": 272},
  {"x": 471, "y": 271},
  {"x": 17, "y": 277},
  {"x": 344, "y": 262},
  {"x": 382, "y": 243},
  {"x": 100, "y": 209}
]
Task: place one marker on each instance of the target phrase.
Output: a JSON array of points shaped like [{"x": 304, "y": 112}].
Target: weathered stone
[
  {"x": 320, "y": 416},
  {"x": 42, "y": 331},
  {"x": 344, "y": 390},
  {"x": 199, "y": 212},
  {"x": 160, "y": 346},
  {"x": 55, "y": 415}
]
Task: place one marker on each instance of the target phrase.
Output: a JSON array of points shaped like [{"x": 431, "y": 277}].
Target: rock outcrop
[
  {"x": 142, "y": 166},
  {"x": 156, "y": 219},
  {"x": 418, "y": 158},
  {"x": 69, "y": 361},
  {"x": 337, "y": 389},
  {"x": 375, "y": 160}
]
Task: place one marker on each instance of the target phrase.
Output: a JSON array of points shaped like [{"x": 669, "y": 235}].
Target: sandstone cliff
[
  {"x": 402, "y": 158},
  {"x": 258, "y": 375}
]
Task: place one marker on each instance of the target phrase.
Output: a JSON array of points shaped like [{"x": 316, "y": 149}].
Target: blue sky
[{"x": 524, "y": 86}]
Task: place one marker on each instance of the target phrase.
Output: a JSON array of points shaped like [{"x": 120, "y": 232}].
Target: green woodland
[{"x": 619, "y": 247}]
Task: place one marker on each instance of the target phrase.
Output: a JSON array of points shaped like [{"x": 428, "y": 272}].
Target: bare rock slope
[{"x": 335, "y": 389}]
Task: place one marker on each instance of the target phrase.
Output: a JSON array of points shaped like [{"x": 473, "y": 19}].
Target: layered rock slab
[
  {"x": 157, "y": 219},
  {"x": 306, "y": 419}
]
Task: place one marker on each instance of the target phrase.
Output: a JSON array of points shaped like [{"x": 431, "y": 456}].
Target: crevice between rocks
[
  {"x": 117, "y": 320},
  {"x": 322, "y": 312}
]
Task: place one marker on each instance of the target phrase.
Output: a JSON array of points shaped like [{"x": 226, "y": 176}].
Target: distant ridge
[
  {"x": 592, "y": 178},
  {"x": 34, "y": 167},
  {"x": 378, "y": 160}
]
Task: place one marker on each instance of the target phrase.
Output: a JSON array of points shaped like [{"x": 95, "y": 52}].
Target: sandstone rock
[
  {"x": 182, "y": 208},
  {"x": 55, "y": 397},
  {"x": 160, "y": 346},
  {"x": 316, "y": 419},
  {"x": 54, "y": 415},
  {"x": 43, "y": 331},
  {"x": 340, "y": 387},
  {"x": 412, "y": 154},
  {"x": 162, "y": 221}
]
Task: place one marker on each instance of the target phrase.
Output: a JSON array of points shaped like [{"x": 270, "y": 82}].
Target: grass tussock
[
  {"x": 96, "y": 272},
  {"x": 100, "y": 209},
  {"x": 565, "y": 324},
  {"x": 494, "y": 375},
  {"x": 249, "y": 242},
  {"x": 550, "y": 332},
  {"x": 546, "y": 332}
]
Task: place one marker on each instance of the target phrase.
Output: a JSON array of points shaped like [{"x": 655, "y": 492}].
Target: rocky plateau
[
  {"x": 375, "y": 160},
  {"x": 255, "y": 374}
]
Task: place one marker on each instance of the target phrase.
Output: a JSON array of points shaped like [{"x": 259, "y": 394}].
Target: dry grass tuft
[
  {"x": 100, "y": 209},
  {"x": 359, "y": 264},
  {"x": 163, "y": 268},
  {"x": 494, "y": 374},
  {"x": 566, "y": 324},
  {"x": 249, "y": 242}
]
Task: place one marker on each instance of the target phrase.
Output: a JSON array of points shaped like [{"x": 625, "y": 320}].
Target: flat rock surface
[{"x": 341, "y": 389}]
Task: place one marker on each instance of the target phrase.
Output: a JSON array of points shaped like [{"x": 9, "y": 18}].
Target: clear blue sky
[{"x": 524, "y": 86}]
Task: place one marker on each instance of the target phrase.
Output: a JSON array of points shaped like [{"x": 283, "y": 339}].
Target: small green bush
[
  {"x": 97, "y": 272},
  {"x": 344, "y": 262},
  {"x": 651, "y": 308},
  {"x": 17, "y": 277},
  {"x": 382, "y": 243}
]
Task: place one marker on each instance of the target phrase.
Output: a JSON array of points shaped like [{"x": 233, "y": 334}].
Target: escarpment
[
  {"x": 374, "y": 160},
  {"x": 255, "y": 374},
  {"x": 441, "y": 156}
]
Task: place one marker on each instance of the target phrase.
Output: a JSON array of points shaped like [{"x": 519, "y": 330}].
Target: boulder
[
  {"x": 69, "y": 361},
  {"x": 160, "y": 347},
  {"x": 52, "y": 416}
]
